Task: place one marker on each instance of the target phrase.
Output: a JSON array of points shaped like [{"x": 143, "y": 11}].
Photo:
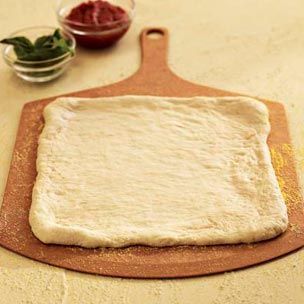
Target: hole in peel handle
[
  {"x": 154, "y": 34},
  {"x": 154, "y": 44}
]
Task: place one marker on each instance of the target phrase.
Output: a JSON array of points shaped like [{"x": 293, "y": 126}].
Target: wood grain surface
[{"x": 153, "y": 78}]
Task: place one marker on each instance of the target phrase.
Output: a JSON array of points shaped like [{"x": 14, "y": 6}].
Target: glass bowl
[
  {"x": 99, "y": 35},
  {"x": 38, "y": 71}
]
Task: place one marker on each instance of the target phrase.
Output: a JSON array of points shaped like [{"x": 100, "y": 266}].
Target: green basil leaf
[
  {"x": 61, "y": 43},
  {"x": 43, "y": 42},
  {"x": 21, "y": 42},
  {"x": 57, "y": 34},
  {"x": 43, "y": 54},
  {"x": 20, "y": 51}
]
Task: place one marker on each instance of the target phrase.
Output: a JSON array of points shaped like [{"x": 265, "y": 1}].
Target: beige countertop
[{"x": 249, "y": 46}]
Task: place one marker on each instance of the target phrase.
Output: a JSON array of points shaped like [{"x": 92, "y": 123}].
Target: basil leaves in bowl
[{"x": 39, "y": 54}]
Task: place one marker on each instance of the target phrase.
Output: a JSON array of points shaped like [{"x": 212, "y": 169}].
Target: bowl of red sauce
[{"x": 96, "y": 23}]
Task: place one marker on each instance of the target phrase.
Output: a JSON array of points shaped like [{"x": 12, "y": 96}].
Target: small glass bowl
[
  {"x": 38, "y": 71},
  {"x": 99, "y": 36}
]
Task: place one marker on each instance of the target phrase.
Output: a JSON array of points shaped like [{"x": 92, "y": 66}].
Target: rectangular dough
[{"x": 157, "y": 171}]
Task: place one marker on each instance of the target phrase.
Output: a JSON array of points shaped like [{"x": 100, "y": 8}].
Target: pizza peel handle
[
  {"x": 154, "y": 44},
  {"x": 154, "y": 77}
]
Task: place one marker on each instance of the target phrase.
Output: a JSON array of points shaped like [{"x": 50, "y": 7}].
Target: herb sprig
[{"x": 44, "y": 47}]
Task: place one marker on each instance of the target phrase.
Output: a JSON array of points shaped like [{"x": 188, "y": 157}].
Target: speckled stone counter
[{"x": 253, "y": 47}]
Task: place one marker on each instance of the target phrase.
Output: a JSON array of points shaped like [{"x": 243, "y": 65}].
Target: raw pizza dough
[{"x": 157, "y": 171}]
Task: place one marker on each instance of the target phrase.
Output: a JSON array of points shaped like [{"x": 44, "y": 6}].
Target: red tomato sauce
[{"x": 97, "y": 24}]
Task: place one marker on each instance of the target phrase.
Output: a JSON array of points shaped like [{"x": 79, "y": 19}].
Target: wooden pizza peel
[{"x": 153, "y": 78}]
